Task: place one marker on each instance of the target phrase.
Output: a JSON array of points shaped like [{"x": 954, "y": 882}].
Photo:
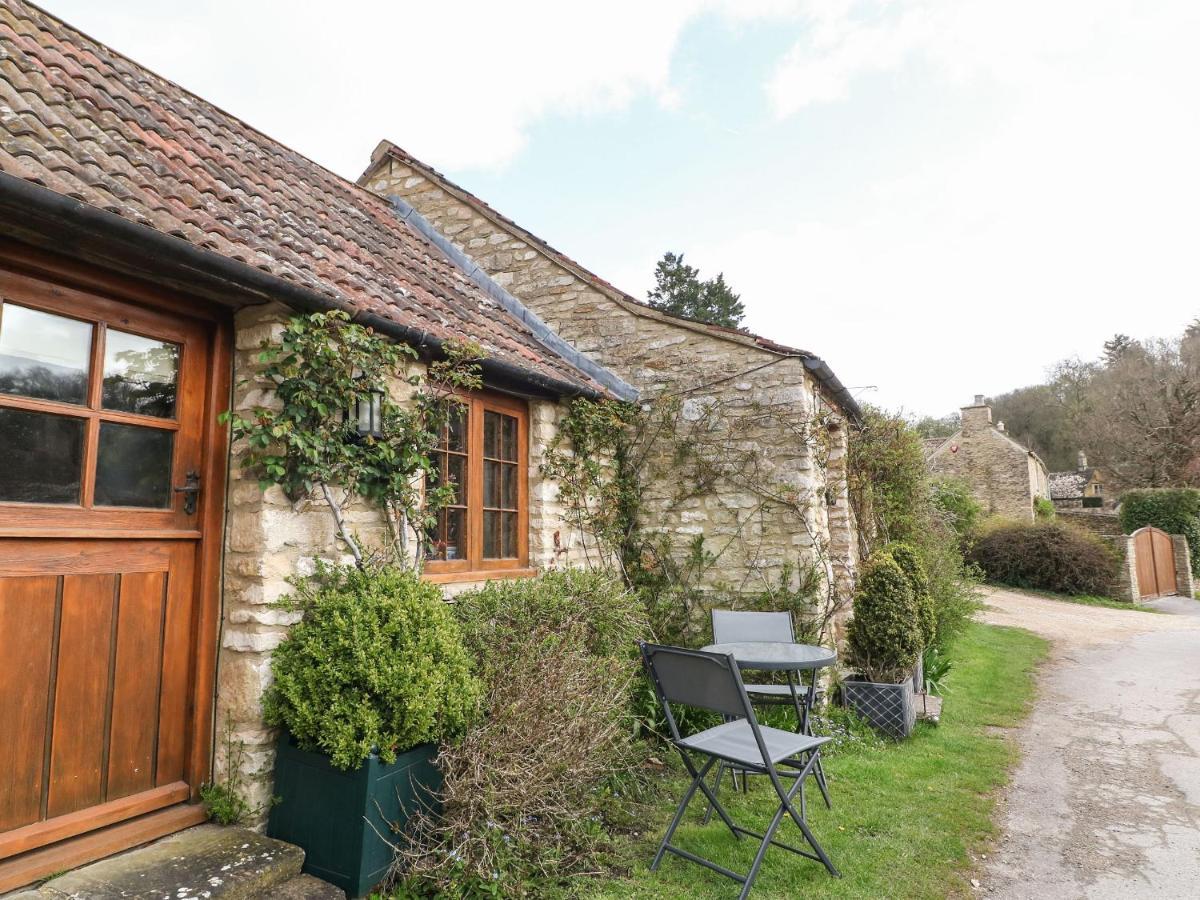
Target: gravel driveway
[{"x": 1106, "y": 800}]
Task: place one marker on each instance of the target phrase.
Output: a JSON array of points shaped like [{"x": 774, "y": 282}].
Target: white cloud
[{"x": 456, "y": 83}]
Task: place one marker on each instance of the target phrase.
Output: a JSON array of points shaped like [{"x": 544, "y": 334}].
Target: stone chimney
[
  {"x": 977, "y": 416},
  {"x": 999, "y": 426},
  {"x": 1081, "y": 460}
]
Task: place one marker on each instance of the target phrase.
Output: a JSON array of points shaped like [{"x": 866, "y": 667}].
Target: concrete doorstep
[{"x": 208, "y": 862}]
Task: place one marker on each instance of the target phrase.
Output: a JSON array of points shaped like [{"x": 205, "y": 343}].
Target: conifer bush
[
  {"x": 884, "y": 635},
  {"x": 376, "y": 664},
  {"x": 910, "y": 564}
]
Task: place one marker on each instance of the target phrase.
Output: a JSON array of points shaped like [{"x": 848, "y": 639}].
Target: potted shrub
[
  {"x": 910, "y": 564},
  {"x": 884, "y": 643},
  {"x": 365, "y": 685}
]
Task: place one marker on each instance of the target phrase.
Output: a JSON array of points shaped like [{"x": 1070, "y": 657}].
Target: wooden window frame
[{"x": 475, "y": 567}]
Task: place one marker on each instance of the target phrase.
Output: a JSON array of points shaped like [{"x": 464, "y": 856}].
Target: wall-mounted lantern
[{"x": 366, "y": 415}]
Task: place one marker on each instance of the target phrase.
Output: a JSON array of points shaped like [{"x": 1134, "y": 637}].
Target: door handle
[{"x": 190, "y": 489}]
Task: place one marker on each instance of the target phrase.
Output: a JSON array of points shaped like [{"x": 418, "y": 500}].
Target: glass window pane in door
[
  {"x": 491, "y": 535},
  {"x": 41, "y": 457},
  {"x": 43, "y": 355},
  {"x": 140, "y": 374},
  {"x": 491, "y": 484},
  {"x": 133, "y": 466}
]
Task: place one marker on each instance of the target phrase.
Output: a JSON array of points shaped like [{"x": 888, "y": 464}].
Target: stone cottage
[
  {"x": 1004, "y": 475},
  {"x": 768, "y": 495},
  {"x": 150, "y": 240},
  {"x": 1081, "y": 487}
]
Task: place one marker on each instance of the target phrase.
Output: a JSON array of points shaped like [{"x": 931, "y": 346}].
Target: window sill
[{"x": 480, "y": 575}]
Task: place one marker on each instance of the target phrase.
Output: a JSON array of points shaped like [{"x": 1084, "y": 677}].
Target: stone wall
[
  {"x": 269, "y": 539},
  {"x": 1103, "y": 522},
  {"x": 1004, "y": 476},
  {"x": 764, "y": 403},
  {"x": 1184, "y": 584},
  {"x": 1126, "y": 583}
]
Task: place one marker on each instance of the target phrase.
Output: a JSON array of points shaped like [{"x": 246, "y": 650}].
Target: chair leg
[
  {"x": 717, "y": 789},
  {"x": 715, "y": 804},
  {"x": 819, "y": 772},
  {"x": 761, "y": 854},
  {"x": 697, "y": 781},
  {"x": 785, "y": 798}
]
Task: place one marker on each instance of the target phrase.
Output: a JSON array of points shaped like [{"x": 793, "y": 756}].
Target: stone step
[
  {"x": 306, "y": 887},
  {"x": 208, "y": 862}
]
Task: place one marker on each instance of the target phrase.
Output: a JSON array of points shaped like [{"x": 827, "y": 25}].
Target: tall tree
[
  {"x": 1117, "y": 346},
  {"x": 679, "y": 290}
]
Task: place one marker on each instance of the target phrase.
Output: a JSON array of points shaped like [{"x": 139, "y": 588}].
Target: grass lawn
[
  {"x": 1084, "y": 599},
  {"x": 907, "y": 817}
]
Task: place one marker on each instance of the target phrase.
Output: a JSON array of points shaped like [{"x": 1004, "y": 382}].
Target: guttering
[
  {"x": 52, "y": 221},
  {"x": 830, "y": 382}
]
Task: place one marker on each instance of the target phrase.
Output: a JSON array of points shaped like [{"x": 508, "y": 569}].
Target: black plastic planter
[
  {"x": 887, "y": 707},
  {"x": 344, "y": 821}
]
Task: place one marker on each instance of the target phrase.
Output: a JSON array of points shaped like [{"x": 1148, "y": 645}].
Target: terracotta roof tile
[{"x": 86, "y": 122}]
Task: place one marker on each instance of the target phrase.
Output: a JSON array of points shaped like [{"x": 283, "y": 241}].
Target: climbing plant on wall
[{"x": 306, "y": 440}]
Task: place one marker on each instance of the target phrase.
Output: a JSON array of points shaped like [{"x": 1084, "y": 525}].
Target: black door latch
[{"x": 190, "y": 489}]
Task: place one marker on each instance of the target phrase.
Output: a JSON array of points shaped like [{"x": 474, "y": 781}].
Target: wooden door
[
  {"x": 107, "y": 411},
  {"x": 1155, "y": 562}
]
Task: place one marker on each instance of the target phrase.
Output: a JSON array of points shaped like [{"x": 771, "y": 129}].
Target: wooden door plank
[
  {"x": 177, "y": 655},
  {"x": 39, "y": 834},
  {"x": 1164, "y": 562},
  {"x": 134, "y": 721},
  {"x": 1143, "y": 549},
  {"x": 28, "y": 867},
  {"x": 21, "y": 556},
  {"x": 81, "y": 692},
  {"x": 27, "y": 614}
]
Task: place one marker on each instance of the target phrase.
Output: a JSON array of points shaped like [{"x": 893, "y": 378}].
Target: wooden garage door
[{"x": 105, "y": 688}]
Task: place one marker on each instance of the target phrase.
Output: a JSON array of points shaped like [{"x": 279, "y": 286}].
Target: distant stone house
[
  {"x": 1081, "y": 487},
  {"x": 781, "y": 406},
  {"x": 1003, "y": 474},
  {"x": 148, "y": 238}
]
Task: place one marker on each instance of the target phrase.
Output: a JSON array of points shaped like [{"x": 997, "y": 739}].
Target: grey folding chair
[
  {"x": 732, "y": 626},
  {"x": 712, "y": 681}
]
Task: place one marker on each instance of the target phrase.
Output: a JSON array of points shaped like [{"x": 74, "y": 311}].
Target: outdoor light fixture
[{"x": 367, "y": 413}]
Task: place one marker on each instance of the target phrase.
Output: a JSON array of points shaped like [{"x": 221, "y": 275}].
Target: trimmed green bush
[
  {"x": 375, "y": 664},
  {"x": 884, "y": 634},
  {"x": 910, "y": 564},
  {"x": 1174, "y": 510},
  {"x": 1049, "y": 556}
]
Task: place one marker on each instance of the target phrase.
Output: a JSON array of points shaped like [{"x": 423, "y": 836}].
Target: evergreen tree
[
  {"x": 679, "y": 291},
  {"x": 1116, "y": 347}
]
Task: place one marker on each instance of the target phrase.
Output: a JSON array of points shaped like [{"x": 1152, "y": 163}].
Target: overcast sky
[{"x": 940, "y": 197}]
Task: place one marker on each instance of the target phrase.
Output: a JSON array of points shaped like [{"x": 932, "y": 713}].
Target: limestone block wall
[
  {"x": 1102, "y": 522},
  {"x": 1003, "y": 475},
  {"x": 665, "y": 357},
  {"x": 1126, "y": 583},
  {"x": 269, "y": 539}
]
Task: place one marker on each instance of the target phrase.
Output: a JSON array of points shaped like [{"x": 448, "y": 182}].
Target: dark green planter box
[{"x": 337, "y": 817}]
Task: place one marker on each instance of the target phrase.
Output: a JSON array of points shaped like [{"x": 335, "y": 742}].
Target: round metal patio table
[{"x": 782, "y": 656}]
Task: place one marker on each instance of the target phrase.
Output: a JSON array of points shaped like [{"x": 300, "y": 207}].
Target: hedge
[
  {"x": 1049, "y": 556},
  {"x": 1174, "y": 510}
]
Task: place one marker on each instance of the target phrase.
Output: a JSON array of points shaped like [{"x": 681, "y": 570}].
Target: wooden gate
[
  {"x": 111, "y": 469},
  {"x": 1155, "y": 556}
]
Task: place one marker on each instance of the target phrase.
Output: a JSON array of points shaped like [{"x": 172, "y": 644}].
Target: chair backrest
[
  {"x": 731, "y": 626},
  {"x": 695, "y": 678}
]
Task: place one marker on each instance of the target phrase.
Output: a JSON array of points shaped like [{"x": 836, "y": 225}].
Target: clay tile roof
[{"x": 88, "y": 123}]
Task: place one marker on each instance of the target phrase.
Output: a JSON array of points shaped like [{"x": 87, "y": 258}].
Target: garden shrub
[
  {"x": 1043, "y": 508},
  {"x": 523, "y": 799},
  {"x": 1174, "y": 510},
  {"x": 910, "y": 564},
  {"x": 952, "y": 498},
  {"x": 1049, "y": 556},
  {"x": 884, "y": 637},
  {"x": 376, "y": 663}
]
